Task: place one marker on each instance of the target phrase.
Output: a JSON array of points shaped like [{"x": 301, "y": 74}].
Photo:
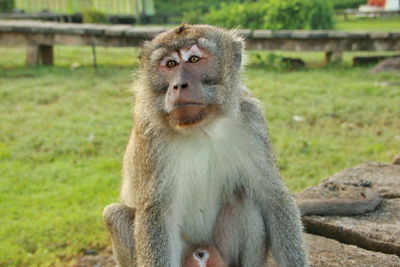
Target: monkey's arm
[
  {"x": 283, "y": 225},
  {"x": 151, "y": 239},
  {"x": 279, "y": 211},
  {"x": 142, "y": 190}
]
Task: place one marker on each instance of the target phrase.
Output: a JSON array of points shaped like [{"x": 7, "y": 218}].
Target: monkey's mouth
[
  {"x": 188, "y": 113},
  {"x": 188, "y": 104}
]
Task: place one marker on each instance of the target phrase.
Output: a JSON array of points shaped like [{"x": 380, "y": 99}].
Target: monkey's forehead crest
[
  {"x": 205, "y": 36},
  {"x": 158, "y": 53},
  {"x": 223, "y": 45}
]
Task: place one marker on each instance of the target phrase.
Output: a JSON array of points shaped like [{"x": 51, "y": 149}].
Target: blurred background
[
  {"x": 269, "y": 14},
  {"x": 327, "y": 73}
]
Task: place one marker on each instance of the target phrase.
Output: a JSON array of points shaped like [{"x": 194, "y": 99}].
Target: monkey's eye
[
  {"x": 171, "y": 63},
  {"x": 194, "y": 59}
]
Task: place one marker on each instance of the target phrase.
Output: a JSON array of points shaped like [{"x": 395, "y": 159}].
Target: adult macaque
[{"x": 199, "y": 168}]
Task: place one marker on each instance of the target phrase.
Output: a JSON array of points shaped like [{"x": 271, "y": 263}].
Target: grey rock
[
  {"x": 390, "y": 64},
  {"x": 396, "y": 160},
  {"x": 384, "y": 178},
  {"x": 327, "y": 252}
]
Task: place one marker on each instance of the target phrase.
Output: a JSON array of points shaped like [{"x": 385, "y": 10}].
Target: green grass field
[
  {"x": 368, "y": 24},
  {"x": 63, "y": 133}
]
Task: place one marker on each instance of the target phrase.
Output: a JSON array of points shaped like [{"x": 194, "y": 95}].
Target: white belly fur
[{"x": 201, "y": 168}]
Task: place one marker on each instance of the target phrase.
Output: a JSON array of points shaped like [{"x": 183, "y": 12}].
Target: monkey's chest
[
  {"x": 198, "y": 213},
  {"x": 203, "y": 171},
  {"x": 196, "y": 202},
  {"x": 200, "y": 185}
]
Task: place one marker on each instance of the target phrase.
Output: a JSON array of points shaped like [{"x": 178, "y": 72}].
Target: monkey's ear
[
  {"x": 238, "y": 48},
  {"x": 147, "y": 45},
  {"x": 181, "y": 27}
]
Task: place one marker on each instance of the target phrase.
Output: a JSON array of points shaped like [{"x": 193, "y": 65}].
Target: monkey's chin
[{"x": 189, "y": 115}]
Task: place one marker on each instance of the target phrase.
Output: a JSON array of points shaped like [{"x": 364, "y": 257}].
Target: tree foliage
[
  {"x": 343, "y": 4},
  {"x": 94, "y": 16},
  {"x": 6, "y": 5},
  {"x": 273, "y": 14},
  {"x": 248, "y": 15}
]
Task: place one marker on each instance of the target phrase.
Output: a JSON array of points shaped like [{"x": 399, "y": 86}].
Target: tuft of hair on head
[{"x": 181, "y": 27}]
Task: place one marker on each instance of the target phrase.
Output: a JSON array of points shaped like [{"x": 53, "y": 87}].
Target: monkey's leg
[
  {"x": 253, "y": 250},
  {"x": 284, "y": 230},
  {"x": 240, "y": 234},
  {"x": 119, "y": 221}
]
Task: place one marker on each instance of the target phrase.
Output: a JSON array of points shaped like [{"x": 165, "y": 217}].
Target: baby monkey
[{"x": 203, "y": 256}]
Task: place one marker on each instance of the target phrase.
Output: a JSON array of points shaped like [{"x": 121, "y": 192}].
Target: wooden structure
[
  {"x": 121, "y": 7},
  {"x": 40, "y": 37}
]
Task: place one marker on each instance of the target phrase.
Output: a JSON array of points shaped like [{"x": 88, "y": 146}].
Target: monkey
[
  {"x": 200, "y": 183},
  {"x": 199, "y": 167},
  {"x": 203, "y": 256}
]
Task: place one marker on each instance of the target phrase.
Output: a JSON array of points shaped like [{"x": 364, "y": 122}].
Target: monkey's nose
[{"x": 180, "y": 86}]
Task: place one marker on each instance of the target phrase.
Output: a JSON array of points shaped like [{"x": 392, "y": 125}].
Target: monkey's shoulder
[
  {"x": 251, "y": 106},
  {"x": 251, "y": 113}
]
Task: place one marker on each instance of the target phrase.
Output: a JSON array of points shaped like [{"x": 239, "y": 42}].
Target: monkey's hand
[{"x": 119, "y": 220}]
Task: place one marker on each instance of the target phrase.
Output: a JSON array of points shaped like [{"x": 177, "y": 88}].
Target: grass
[
  {"x": 62, "y": 137},
  {"x": 368, "y": 24},
  {"x": 63, "y": 133},
  {"x": 73, "y": 56}
]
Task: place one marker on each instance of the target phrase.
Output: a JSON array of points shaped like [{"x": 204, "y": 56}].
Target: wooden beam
[
  {"x": 333, "y": 56},
  {"x": 39, "y": 55}
]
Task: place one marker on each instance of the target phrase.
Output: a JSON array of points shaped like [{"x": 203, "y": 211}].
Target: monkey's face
[
  {"x": 192, "y": 74},
  {"x": 187, "y": 99}
]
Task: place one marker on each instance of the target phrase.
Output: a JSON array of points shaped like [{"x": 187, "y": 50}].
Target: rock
[
  {"x": 327, "y": 252},
  {"x": 390, "y": 64},
  {"x": 90, "y": 252},
  {"x": 384, "y": 178},
  {"x": 103, "y": 259},
  {"x": 368, "y": 60},
  {"x": 293, "y": 63},
  {"x": 74, "y": 66},
  {"x": 396, "y": 160},
  {"x": 376, "y": 231}
]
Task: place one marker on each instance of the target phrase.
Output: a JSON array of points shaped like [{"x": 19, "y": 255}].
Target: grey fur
[{"x": 255, "y": 213}]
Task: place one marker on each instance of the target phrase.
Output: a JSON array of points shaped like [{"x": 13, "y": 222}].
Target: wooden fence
[{"x": 40, "y": 37}]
